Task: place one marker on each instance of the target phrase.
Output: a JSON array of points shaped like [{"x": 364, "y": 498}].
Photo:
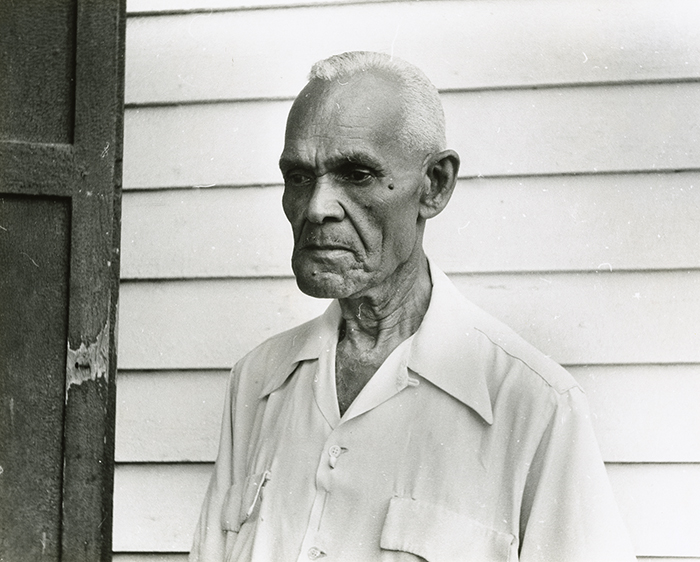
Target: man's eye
[
  {"x": 357, "y": 175},
  {"x": 297, "y": 179}
]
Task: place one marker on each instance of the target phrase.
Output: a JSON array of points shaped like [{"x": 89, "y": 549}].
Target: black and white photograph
[{"x": 350, "y": 280}]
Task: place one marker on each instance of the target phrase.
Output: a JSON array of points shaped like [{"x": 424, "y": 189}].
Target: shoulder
[
  {"x": 480, "y": 341},
  {"x": 514, "y": 353},
  {"x": 479, "y": 360},
  {"x": 527, "y": 389},
  {"x": 269, "y": 364},
  {"x": 280, "y": 347}
]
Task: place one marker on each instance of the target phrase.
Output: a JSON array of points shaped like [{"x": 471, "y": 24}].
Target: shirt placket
[
  {"x": 389, "y": 380},
  {"x": 314, "y": 546}
]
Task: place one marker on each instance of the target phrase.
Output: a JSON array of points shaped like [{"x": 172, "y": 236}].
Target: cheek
[
  {"x": 401, "y": 230},
  {"x": 291, "y": 206}
]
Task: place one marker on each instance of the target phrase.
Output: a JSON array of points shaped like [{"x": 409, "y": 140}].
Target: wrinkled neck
[{"x": 385, "y": 318}]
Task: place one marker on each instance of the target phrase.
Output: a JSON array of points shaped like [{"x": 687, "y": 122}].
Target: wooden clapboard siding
[
  {"x": 149, "y": 517},
  {"x": 583, "y": 121},
  {"x": 660, "y": 505},
  {"x": 644, "y": 413},
  {"x": 505, "y": 132},
  {"x": 169, "y": 416},
  {"x": 205, "y": 324},
  {"x": 212, "y": 232},
  {"x": 640, "y": 413},
  {"x": 639, "y": 317},
  {"x": 156, "y": 506},
  {"x": 259, "y": 54},
  {"x": 621, "y": 222},
  {"x": 586, "y": 318}
]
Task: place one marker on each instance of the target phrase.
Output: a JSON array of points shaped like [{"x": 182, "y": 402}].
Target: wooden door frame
[{"x": 87, "y": 172}]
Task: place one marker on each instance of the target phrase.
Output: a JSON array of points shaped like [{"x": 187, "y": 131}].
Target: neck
[{"x": 392, "y": 312}]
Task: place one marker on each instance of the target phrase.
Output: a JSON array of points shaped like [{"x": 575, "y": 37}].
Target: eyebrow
[
  {"x": 358, "y": 157},
  {"x": 362, "y": 158}
]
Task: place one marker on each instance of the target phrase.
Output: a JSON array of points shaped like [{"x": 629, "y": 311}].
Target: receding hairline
[{"x": 423, "y": 115}]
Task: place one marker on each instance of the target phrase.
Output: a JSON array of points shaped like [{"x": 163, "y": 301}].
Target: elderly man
[{"x": 404, "y": 423}]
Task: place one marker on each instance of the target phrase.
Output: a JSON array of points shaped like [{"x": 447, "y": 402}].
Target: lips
[
  {"x": 324, "y": 247},
  {"x": 320, "y": 241}
]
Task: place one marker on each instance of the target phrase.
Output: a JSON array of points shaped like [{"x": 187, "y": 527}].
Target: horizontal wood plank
[
  {"x": 644, "y": 413},
  {"x": 639, "y": 413},
  {"x": 510, "y": 132},
  {"x": 660, "y": 505},
  {"x": 157, "y": 7},
  {"x": 258, "y": 54},
  {"x": 593, "y": 318},
  {"x": 575, "y": 223},
  {"x": 227, "y": 144},
  {"x": 169, "y": 416},
  {"x": 597, "y": 318},
  {"x": 156, "y": 506},
  {"x": 205, "y": 324},
  {"x": 665, "y": 559},
  {"x": 149, "y": 557},
  {"x": 227, "y": 232}
]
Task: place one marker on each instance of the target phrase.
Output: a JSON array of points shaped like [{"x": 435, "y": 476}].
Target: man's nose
[{"x": 323, "y": 204}]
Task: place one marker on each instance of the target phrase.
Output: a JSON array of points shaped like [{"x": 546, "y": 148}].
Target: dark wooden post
[{"x": 61, "y": 114}]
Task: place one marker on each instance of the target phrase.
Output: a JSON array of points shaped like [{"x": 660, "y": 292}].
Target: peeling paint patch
[{"x": 88, "y": 363}]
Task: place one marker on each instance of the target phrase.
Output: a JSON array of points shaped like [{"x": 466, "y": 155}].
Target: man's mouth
[
  {"x": 316, "y": 240},
  {"x": 324, "y": 248}
]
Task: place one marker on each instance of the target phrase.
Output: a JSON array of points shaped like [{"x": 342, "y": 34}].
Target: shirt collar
[
  {"x": 445, "y": 351},
  {"x": 448, "y": 347},
  {"x": 303, "y": 343}
]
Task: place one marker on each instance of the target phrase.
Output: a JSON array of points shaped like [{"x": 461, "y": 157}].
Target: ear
[{"x": 441, "y": 171}]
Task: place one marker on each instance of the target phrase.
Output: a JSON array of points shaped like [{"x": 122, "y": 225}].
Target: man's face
[{"x": 351, "y": 190}]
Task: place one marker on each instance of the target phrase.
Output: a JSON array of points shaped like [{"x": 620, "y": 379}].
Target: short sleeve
[{"x": 569, "y": 512}]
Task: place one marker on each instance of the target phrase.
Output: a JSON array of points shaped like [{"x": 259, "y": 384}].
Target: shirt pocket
[
  {"x": 438, "y": 534},
  {"x": 242, "y": 501}
]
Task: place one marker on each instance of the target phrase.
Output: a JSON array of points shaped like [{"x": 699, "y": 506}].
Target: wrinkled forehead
[{"x": 366, "y": 101}]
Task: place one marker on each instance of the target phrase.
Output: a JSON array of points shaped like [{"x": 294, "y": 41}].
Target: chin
[
  {"x": 323, "y": 286},
  {"x": 321, "y": 283}
]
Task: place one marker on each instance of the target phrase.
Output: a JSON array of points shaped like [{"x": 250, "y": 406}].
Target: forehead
[{"x": 361, "y": 111}]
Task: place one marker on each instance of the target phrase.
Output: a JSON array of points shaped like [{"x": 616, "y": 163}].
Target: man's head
[
  {"x": 364, "y": 167},
  {"x": 421, "y": 110}
]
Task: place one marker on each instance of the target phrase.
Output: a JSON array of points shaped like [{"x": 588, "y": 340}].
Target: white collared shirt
[{"x": 466, "y": 444}]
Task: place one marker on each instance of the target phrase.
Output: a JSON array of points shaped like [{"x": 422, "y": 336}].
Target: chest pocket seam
[{"x": 439, "y": 534}]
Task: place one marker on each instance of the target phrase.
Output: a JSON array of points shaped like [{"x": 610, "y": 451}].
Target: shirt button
[
  {"x": 333, "y": 453},
  {"x": 315, "y": 553}
]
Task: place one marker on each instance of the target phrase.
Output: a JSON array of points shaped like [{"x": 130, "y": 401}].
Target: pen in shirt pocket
[{"x": 258, "y": 490}]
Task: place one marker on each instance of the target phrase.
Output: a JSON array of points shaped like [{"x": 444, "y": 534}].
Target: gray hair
[{"x": 423, "y": 116}]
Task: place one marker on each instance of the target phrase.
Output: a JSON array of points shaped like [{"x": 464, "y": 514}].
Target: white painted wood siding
[{"x": 576, "y": 220}]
